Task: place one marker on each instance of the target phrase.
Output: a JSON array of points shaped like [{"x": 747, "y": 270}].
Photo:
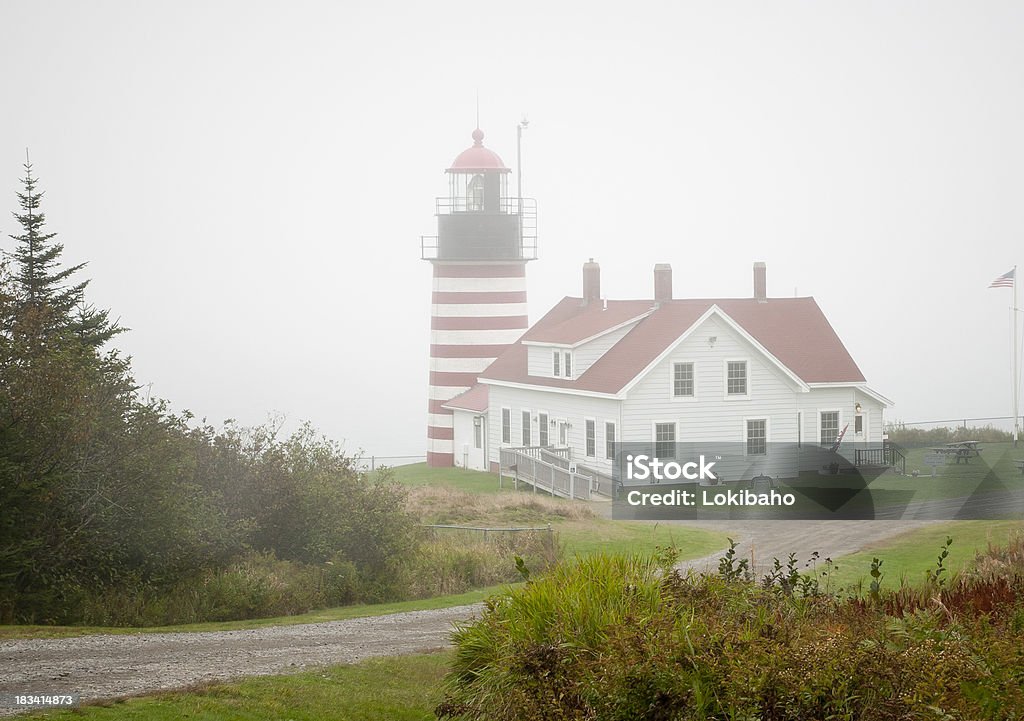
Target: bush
[
  {"x": 626, "y": 638},
  {"x": 455, "y": 563},
  {"x": 923, "y": 438}
]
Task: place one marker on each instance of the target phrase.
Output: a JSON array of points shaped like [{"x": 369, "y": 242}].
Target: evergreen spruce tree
[{"x": 41, "y": 284}]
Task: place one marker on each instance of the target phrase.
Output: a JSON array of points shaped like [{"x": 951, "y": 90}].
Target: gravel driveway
[{"x": 104, "y": 667}]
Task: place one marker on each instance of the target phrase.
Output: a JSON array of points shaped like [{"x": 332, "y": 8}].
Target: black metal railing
[{"x": 888, "y": 455}]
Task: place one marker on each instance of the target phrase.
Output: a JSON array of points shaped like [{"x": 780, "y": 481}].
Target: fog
[{"x": 248, "y": 181}]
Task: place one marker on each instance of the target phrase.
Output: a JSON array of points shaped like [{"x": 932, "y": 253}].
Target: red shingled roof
[
  {"x": 794, "y": 330},
  {"x": 475, "y": 399}
]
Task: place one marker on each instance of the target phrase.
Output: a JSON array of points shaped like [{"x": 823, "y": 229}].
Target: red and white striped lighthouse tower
[{"x": 484, "y": 240}]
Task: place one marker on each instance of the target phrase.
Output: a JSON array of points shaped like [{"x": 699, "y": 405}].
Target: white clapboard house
[{"x": 757, "y": 372}]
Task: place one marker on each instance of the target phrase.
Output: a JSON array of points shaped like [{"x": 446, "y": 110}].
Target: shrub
[
  {"x": 455, "y": 563},
  {"x": 627, "y": 638}
]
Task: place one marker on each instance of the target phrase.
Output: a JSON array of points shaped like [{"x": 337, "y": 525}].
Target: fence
[
  {"x": 600, "y": 482},
  {"x": 1003, "y": 423},
  {"x": 485, "y": 531},
  {"x": 545, "y": 476},
  {"x": 372, "y": 463}
]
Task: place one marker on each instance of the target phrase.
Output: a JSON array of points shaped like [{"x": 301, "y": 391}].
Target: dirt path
[{"x": 103, "y": 667}]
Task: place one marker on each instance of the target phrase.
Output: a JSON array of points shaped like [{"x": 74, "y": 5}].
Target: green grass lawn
[
  {"x": 993, "y": 470},
  {"x": 387, "y": 689},
  {"x": 909, "y": 555},
  {"x": 420, "y": 474}
]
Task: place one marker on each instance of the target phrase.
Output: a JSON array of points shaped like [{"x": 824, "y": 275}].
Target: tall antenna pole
[{"x": 520, "y": 127}]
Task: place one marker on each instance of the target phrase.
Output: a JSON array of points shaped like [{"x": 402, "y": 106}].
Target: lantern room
[{"x": 478, "y": 220}]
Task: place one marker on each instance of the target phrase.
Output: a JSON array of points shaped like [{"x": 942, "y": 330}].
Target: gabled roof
[
  {"x": 592, "y": 320},
  {"x": 475, "y": 399},
  {"x": 793, "y": 330}
]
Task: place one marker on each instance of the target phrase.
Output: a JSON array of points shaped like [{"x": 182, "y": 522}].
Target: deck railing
[
  {"x": 888, "y": 455},
  {"x": 544, "y": 476}
]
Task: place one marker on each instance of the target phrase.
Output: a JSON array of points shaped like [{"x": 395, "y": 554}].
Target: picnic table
[{"x": 961, "y": 451}]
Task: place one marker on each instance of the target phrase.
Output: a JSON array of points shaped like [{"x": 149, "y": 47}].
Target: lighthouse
[{"x": 485, "y": 237}]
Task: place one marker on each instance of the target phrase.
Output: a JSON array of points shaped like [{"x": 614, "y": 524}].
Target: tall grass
[{"x": 613, "y": 637}]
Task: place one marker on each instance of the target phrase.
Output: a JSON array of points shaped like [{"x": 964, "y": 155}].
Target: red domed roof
[{"x": 477, "y": 158}]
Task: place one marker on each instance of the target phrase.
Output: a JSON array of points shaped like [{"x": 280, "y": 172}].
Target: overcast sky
[{"x": 248, "y": 181}]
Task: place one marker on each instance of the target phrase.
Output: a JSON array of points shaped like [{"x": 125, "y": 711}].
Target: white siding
[
  {"x": 559, "y": 407},
  {"x": 539, "y": 361},
  {"x": 466, "y": 453},
  {"x": 711, "y": 417}
]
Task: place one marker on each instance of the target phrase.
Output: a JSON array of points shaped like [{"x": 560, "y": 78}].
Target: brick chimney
[
  {"x": 760, "y": 282},
  {"x": 591, "y": 282},
  {"x": 662, "y": 282}
]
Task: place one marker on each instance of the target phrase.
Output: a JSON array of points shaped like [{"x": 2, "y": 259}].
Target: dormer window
[{"x": 561, "y": 364}]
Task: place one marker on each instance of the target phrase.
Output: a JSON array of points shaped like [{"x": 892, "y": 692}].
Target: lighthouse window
[
  {"x": 475, "y": 193},
  {"x": 556, "y": 358},
  {"x": 568, "y": 364}
]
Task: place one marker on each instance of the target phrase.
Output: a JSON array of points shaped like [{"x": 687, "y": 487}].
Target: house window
[
  {"x": 682, "y": 380},
  {"x": 568, "y": 364},
  {"x": 609, "y": 440},
  {"x": 829, "y": 427},
  {"x": 542, "y": 429},
  {"x": 757, "y": 437},
  {"x": 478, "y": 432},
  {"x": 665, "y": 440},
  {"x": 591, "y": 437},
  {"x": 858, "y": 424},
  {"x": 556, "y": 359},
  {"x": 736, "y": 378},
  {"x": 563, "y": 433},
  {"x": 527, "y": 430},
  {"x": 506, "y": 425}
]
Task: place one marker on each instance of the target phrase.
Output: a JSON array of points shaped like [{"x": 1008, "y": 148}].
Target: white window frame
[
  {"x": 863, "y": 432},
  {"x": 767, "y": 434},
  {"x": 839, "y": 426},
  {"x": 567, "y": 364},
  {"x": 725, "y": 379},
  {"x": 526, "y": 432},
  {"x": 614, "y": 439},
  {"x": 542, "y": 427},
  {"x": 556, "y": 363},
  {"x": 506, "y": 428},
  {"x": 589, "y": 423},
  {"x": 675, "y": 436},
  {"x": 672, "y": 381}
]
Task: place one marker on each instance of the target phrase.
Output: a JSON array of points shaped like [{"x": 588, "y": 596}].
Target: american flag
[{"x": 1005, "y": 280}]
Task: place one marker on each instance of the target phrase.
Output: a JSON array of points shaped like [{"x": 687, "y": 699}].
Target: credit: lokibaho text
[{"x": 679, "y": 497}]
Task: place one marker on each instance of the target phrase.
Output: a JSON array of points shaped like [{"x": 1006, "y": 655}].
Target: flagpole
[{"x": 1016, "y": 361}]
